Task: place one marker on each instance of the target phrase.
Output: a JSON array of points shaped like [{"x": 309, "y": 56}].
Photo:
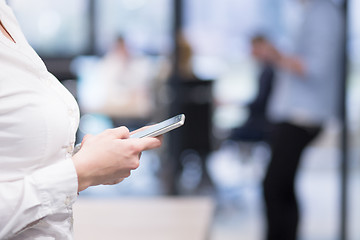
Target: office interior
[{"x": 205, "y": 185}]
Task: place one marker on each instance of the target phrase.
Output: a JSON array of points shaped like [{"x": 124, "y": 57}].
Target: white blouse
[{"x": 38, "y": 122}]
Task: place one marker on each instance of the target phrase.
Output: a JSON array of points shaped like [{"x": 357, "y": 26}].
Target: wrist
[{"x": 82, "y": 176}]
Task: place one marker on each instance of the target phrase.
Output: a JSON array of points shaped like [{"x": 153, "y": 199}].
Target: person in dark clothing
[
  {"x": 287, "y": 144},
  {"x": 256, "y": 126}
]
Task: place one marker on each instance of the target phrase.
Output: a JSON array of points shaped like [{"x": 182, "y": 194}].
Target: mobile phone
[{"x": 161, "y": 128}]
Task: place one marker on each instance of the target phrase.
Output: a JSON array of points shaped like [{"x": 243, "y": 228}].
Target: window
[
  {"x": 62, "y": 28},
  {"x": 54, "y": 28},
  {"x": 146, "y": 24}
]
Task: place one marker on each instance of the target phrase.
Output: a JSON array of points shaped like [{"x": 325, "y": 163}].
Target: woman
[{"x": 39, "y": 177}]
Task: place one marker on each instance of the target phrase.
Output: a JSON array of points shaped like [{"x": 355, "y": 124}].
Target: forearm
[
  {"x": 292, "y": 64},
  {"x": 84, "y": 181}
]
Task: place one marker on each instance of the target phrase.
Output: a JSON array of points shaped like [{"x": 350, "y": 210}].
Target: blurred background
[{"x": 135, "y": 62}]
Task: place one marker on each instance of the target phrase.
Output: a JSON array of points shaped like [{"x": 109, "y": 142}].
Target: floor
[
  {"x": 237, "y": 173},
  {"x": 150, "y": 218}
]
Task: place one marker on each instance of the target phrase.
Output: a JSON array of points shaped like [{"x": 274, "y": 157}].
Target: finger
[
  {"x": 147, "y": 143},
  {"x": 140, "y": 129},
  {"x": 161, "y": 137},
  {"x": 119, "y": 132}
]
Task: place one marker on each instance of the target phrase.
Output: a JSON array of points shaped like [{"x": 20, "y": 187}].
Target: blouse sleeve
[{"x": 26, "y": 201}]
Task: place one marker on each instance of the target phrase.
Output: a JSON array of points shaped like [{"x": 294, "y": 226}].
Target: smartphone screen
[{"x": 162, "y": 127}]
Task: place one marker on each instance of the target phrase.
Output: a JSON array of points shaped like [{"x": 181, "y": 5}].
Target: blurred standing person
[{"x": 304, "y": 98}]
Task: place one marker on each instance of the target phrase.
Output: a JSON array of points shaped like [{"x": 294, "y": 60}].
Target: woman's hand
[{"x": 109, "y": 157}]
